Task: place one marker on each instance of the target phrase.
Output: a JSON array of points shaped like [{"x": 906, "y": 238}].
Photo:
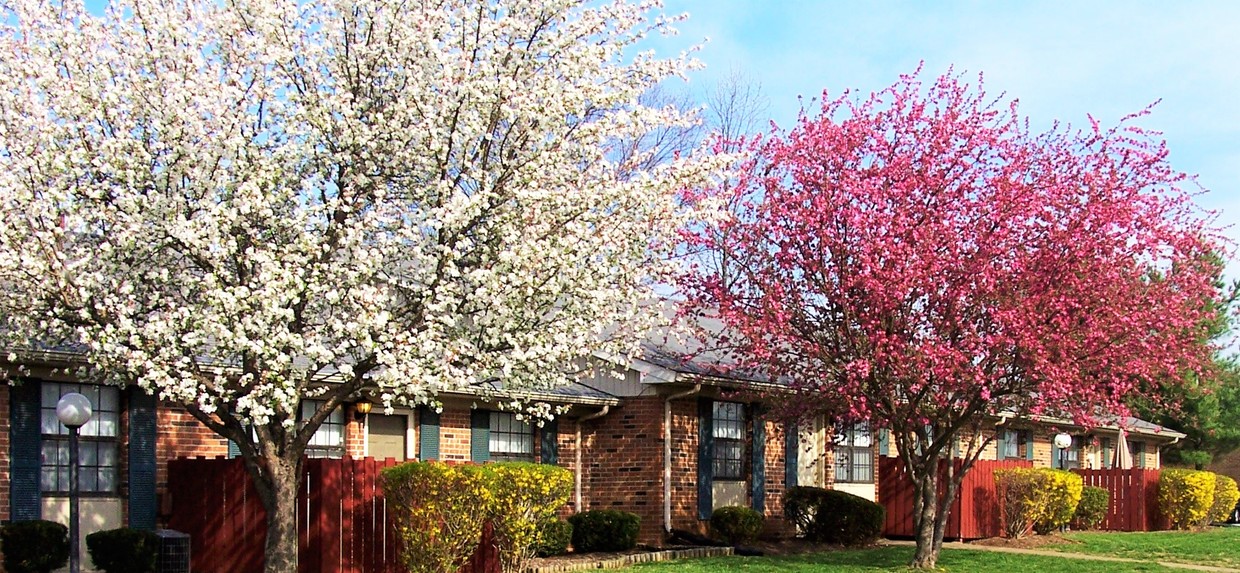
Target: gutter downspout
[
  {"x": 667, "y": 453},
  {"x": 577, "y": 480}
]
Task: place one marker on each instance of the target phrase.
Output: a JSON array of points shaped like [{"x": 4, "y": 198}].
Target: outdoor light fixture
[
  {"x": 360, "y": 410},
  {"x": 74, "y": 411},
  {"x": 1063, "y": 441}
]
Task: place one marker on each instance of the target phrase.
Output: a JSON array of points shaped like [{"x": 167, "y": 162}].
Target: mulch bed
[{"x": 1026, "y": 542}]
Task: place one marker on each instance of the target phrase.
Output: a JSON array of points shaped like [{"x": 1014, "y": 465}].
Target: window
[
  {"x": 728, "y": 428},
  {"x": 328, "y": 440},
  {"x": 511, "y": 440},
  {"x": 1138, "y": 453},
  {"x": 1108, "y": 453},
  {"x": 854, "y": 455},
  {"x": 98, "y": 460},
  {"x": 1070, "y": 458},
  {"x": 1014, "y": 444}
]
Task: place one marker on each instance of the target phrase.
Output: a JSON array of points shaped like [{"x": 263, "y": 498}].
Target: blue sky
[{"x": 1062, "y": 60}]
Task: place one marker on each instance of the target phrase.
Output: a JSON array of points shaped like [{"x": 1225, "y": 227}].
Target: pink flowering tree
[
  {"x": 921, "y": 260},
  {"x": 241, "y": 206}
]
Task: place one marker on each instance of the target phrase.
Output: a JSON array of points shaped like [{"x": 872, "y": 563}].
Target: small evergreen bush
[
  {"x": 1095, "y": 502},
  {"x": 37, "y": 546},
  {"x": 1186, "y": 496},
  {"x": 831, "y": 516},
  {"x": 555, "y": 535},
  {"x": 604, "y": 530},
  {"x": 736, "y": 524},
  {"x": 123, "y": 550}
]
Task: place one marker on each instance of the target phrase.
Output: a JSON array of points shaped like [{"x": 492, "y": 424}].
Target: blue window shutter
[
  {"x": 792, "y": 452},
  {"x": 1138, "y": 454},
  {"x": 549, "y": 449},
  {"x": 142, "y": 424},
  {"x": 428, "y": 434},
  {"x": 234, "y": 451},
  {"x": 1028, "y": 444},
  {"x": 884, "y": 442},
  {"x": 757, "y": 482},
  {"x": 480, "y": 435},
  {"x": 706, "y": 458},
  {"x": 1000, "y": 444},
  {"x": 25, "y": 451}
]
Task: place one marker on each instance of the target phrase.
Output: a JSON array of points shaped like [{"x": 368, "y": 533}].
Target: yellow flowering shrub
[
  {"x": 1061, "y": 491},
  {"x": 1020, "y": 500},
  {"x": 1186, "y": 496},
  {"x": 1225, "y": 497},
  {"x": 439, "y": 510},
  {"x": 524, "y": 496}
]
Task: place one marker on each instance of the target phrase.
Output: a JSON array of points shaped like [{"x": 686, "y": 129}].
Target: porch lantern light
[
  {"x": 361, "y": 409},
  {"x": 74, "y": 411},
  {"x": 1063, "y": 441}
]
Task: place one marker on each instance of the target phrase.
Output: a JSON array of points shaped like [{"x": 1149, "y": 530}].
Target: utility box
[{"x": 173, "y": 552}]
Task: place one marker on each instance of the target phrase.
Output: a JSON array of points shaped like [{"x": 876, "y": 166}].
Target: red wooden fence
[
  {"x": 974, "y": 514},
  {"x": 342, "y": 520},
  {"x": 1134, "y": 498}
]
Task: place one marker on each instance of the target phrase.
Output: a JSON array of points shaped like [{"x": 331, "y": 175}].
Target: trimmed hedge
[
  {"x": 1095, "y": 502},
  {"x": 604, "y": 530},
  {"x": 440, "y": 510},
  {"x": 38, "y": 546},
  {"x": 831, "y": 516},
  {"x": 1186, "y": 496},
  {"x": 736, "y": 524},
  {"x": 555, "y": 535},
  {"x": 1062, "y": 495},
  {"x": 123, "y": 550},
  {"x": 1225, "y": 497}
]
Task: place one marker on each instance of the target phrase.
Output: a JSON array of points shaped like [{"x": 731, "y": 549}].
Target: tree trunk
[
  {"x": 280, "y": 501},
  {"x": 925, "y": 520}
]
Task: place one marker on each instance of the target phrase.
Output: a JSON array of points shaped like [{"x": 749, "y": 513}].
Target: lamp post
[
  {"x": 74, "y": 411},
  {"x": 1063, "y": 441}
]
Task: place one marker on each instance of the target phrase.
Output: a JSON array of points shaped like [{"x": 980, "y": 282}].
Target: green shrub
[
  {"x": 123, "y": 550},
  {"x": 34, "y": 546},
  {"x": 439, "y": 510},
  {"x": 554, "y": 537},
  {"x": 523, "y": 496},
  {"x": 604, "y": 530},
  {"x": 1225, "y": 497},
  {"x": 1062, "y": 494},
  {"x": 736, "y": 524},
  {"x": 1186, "y": 496},
  {"x": 831, "y": 516},
  {"x": 1095, "y": 503}
]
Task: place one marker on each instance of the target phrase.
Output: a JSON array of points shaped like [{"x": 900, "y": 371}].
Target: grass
[
  {"x": 893, "y": 559},
  {"x": 1218, "y": 546}
]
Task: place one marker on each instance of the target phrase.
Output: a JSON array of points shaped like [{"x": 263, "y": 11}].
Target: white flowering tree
[{"x": 239, "y": 205}]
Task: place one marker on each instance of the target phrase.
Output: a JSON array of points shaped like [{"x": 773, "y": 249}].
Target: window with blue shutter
[
  {"x": 706, "y": 455},
  {"x": 792, "y": 454},
  {"x": 757, "y": 483},
  {"x": 549, "y": 447},
  {"x": 25, "y": 452},
  {"x": 142, "y": 440},
  {"x": 428, "y": 434},
  {"x": 480, "y": 435}
]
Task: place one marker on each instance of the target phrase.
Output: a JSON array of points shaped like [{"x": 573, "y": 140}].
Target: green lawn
[
  {"x": 1219, "y": 546},
  {"x": 894, "y": 559}
]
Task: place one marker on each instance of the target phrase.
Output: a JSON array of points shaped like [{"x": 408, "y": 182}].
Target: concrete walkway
[{"x": 1065, "y": 555}]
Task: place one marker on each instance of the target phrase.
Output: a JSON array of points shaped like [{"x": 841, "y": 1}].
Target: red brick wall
[
  {"x": 354, "y": 435},
  {"x": 454, "y": 435},
  {"x": 4, "y": 447},
  {"x": 180, "y": 435},
  {"x": 623, "y": 462}
]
